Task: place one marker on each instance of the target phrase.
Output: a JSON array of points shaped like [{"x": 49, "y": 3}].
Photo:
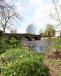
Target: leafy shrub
[
  {"x": 13, "y": 42},
  {"x": 3, "y": 44},
  {"x": 19, "y": 53},
  {"x": 26, "y": 68},
  {"x": 21, "y": 62},
  {"x": 6, "y": 43}
]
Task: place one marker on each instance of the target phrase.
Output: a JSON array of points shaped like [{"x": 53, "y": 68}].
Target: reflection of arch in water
[
  {"x": 28, "y": 38},
  {"x": 35, "y": 38}
]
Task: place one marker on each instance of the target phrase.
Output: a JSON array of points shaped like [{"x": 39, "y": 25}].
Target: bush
[
  {"x": 13, "y": 42},
  {"x": 19, "y": 53},
  {"x": 3, "y": 44},
  {"x": 6, "y": 43},
  {"x": 25, "y": 68},
  {"x": 21, "y": 62}
]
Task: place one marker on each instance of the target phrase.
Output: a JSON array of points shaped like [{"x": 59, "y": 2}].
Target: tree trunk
[{"x": 4, "y": 30}]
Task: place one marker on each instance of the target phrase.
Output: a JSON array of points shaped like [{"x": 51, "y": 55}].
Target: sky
[{"x": 36, "y": 12}]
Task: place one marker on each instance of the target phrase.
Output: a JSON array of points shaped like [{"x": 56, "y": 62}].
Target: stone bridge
[
  {"x": 28, "y": 37},
  {"x": 19, "y": 36}
]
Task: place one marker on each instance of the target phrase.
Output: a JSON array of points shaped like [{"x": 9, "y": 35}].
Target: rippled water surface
[{"x": 38, "y": 45}]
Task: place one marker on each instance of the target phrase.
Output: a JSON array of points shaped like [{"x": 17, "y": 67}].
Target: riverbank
[
  {"x": 22, "y": 62},
  {"x": 53, "y": 61},
  {"x": 53, "y": 57}
]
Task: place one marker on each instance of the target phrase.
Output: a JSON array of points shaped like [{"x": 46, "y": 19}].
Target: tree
[
  {"x": 41, "y": 33},
  {"x": 49, "y": 31},
  {"x": 7, "y": 14},
  {"x": 30, "y": 29},
  {"x": 55, "y": 14},
  {"x": 13, "y": 31}
]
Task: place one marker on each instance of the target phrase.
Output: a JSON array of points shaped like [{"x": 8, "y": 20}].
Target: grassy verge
[{"x": 56, "y": 43}]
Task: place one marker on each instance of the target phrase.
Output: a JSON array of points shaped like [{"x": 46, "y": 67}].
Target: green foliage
[
  {"x": 6, "y": 43},
  {"x": 22, "y": 62},
  {"x": 13, "y": 42},
  {"x": 56, "y": 43},
  {"x": 25, "y": 68},
  {"x": 43, "y": 34},
  {"x": 3, "y": 44},
  {"x": 20, "y": 53},
  {"x": 49, "y": 31}
]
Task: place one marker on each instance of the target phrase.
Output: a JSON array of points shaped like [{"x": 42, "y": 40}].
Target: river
[{"x": 37, "y": 45}]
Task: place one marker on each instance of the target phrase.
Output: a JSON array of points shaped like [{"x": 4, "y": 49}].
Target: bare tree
[
  {"x": 13, "y": 31},
  {"x": 7, "y": 15},
  {"x": 57, "y": 10},
  {"x": 30, "y": 29}
]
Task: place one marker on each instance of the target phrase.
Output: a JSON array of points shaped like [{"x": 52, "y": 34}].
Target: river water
[{"x": 37, "y": 45}]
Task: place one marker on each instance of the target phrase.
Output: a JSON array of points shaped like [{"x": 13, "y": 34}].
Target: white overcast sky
[{"x": 34, "y": 12}]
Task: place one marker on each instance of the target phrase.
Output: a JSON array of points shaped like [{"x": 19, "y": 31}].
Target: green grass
[{"x": 56, "y": 43}]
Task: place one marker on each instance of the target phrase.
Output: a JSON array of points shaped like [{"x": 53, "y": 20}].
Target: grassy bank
[
  {"x": 22, "y": 62},
  {"x": 53, "y": 57},
  {"x": 16, "y": 61},
  {"x": 56, "y": 42}
]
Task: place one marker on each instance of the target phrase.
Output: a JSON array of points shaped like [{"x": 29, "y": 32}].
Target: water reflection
[
  {"x": 38, "y": 48},
  {"x": 38, "y": 45}
]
